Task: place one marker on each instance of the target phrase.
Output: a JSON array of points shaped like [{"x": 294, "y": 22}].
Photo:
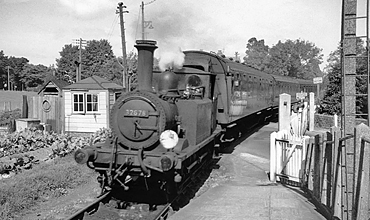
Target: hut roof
[{"x": 94, "y": 82}]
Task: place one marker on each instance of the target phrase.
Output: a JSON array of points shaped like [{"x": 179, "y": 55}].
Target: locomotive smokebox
[{"x": 145, "y": 63}]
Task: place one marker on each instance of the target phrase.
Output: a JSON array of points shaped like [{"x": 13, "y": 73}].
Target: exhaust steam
[{"x": 171, "y": 60}]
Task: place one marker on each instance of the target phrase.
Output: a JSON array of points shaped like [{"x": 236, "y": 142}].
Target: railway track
[
  {"x": 92, "y": 207},
  {"x": 160, "y": 212}
]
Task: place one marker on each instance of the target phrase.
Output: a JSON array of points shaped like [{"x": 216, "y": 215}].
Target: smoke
[
  {"x": 171, "y": 60},
  {"x": 87, "y": 7}
]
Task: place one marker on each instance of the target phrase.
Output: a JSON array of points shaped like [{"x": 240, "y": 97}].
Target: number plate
[{"x": 137, "y": 113}]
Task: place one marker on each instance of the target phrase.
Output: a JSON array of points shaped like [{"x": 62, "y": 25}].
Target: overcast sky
[{"x": 38, "y": 29}]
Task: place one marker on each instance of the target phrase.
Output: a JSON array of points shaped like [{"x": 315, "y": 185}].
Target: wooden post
[
  {"x": 361, "y": 204},
  {"x": 311, "y": 125},
  {"x": 273, "y": 157},
  {"x": 284, "y": 112},
  {"x": 24, "y": 107}
]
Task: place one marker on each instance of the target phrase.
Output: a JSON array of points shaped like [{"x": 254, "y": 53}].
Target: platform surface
[{"x": 248, "y": 194}]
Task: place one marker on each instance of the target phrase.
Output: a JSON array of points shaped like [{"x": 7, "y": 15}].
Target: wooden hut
[{"x": 88, "y": 103}]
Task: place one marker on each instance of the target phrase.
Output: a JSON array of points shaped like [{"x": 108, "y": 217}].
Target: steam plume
[{"x": 170, "y": 60}]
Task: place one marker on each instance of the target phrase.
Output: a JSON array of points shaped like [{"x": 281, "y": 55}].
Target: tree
[
  {"x": 97, "y": 55},
  {"x": 3, "y": 71},
  {"x": 17, "y": 64},
  {"x": 331, "y": 103},
  {"x": 297, "y": 58},
  {"x": 35, "y": 75},
  {"x": 256, "y": 54},
  {"x": 66, "y": 67},
  {"x": 97, "y": 59}
]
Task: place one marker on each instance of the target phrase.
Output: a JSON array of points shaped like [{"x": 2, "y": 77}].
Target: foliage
[
  {"x": 331, "y": 103},
  {"x": 34, "y": 75},
  {"x": 297, "y": 58},
  {"x": 257, "y": 54},
  {"x": 15, "y": 66},
  {"x": 46, "y": 180},
  {"x": 97, "y": 58},
  {"x": 49, "y": 180},
  {"x": 7, "y": 116},
  {"x": 33, "y": 139},
  {"x": 66, "y": 64}
]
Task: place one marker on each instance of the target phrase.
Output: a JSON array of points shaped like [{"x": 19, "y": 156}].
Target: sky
[{"x": 39, "y": 29}]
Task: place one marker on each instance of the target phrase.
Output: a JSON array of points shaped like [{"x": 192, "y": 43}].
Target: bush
[
  {"x": 8, "y": 116},
  {"x": 61, "y": 144},
  {"x": 49, "y": 180}
]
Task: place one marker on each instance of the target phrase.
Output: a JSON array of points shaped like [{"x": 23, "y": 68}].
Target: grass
[
  {"x": 43, "y": 182},
  {"x": 13, "y": 97}
]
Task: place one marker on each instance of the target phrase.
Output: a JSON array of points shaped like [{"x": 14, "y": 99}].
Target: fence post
[
  {"x": 311, "y": 163},
  {"x": 284, "y": 112},
  {"x": 337, "y": 174},
  {"x": 311, "y": 125},
  {"x": 317, "y": 168},
  {"x": 362, "y": 172},
  {"x": 24, "y": 107},
  {"x": 273, "y": 157}
]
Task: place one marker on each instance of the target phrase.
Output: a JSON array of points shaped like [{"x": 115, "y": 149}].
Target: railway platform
[{"x": 248, "y": 193}]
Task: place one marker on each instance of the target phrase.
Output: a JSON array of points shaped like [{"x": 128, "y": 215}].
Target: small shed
[
  {"x": 48, "y": 106},
  {"x": 88, "y": 103},
  {"x": 52, "y": 87}
]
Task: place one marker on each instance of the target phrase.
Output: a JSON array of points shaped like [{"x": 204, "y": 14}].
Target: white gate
[{"x": 288, "y": 145}]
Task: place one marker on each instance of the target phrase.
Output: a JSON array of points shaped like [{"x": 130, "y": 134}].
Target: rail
[{"x": 91, "y": 208}]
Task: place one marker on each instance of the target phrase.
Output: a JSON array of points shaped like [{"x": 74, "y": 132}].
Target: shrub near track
[{"x": 47, "y": 180}]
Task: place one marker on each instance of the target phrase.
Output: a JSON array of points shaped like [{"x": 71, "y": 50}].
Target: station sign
[
  {"x": 317, "y": 80},
  {"x": 301, "y": 95}
]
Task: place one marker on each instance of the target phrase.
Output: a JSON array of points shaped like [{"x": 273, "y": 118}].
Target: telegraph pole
[
  {"x": 78, "y": 63},
  {"x": 8, "y": 79},
  {"x": 142, "y": 21},
  {"x": 125, "y": 74}
]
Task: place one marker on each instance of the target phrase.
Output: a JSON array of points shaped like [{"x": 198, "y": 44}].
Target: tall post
[
  {"x": 79, "y": 42},
  {"x": 124, "y": 56},
  {"x": 142, "y": 21},
  {"x": 8, "y": 79},
  {"x": 80, "y": 63},
  {"x": 368, "y": 62},
  {"x": 348, "y": 62}
]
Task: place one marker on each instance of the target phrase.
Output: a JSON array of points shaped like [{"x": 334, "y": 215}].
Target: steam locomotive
[{"x": 171, "y": 124}]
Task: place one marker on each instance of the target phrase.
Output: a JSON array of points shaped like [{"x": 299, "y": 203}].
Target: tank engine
[
  {"x": 169, "y": 127},
  {"x": 162, "y": 133}
]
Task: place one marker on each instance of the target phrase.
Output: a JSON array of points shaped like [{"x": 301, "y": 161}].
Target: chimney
[{"x": 145, "y": 63}]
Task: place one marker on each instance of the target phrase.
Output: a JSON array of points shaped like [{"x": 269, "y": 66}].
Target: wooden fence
[
  {"x": 332, "y": 168},
  {"x": 337, "y": 170},
  {"x": 49, "y": 109}
]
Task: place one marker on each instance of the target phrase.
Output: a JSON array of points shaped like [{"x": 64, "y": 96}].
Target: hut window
[
  {"x": 78, "y": 103},
  {"x": 91, "y": 102},
  {"x": 85, "y": 103}
]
